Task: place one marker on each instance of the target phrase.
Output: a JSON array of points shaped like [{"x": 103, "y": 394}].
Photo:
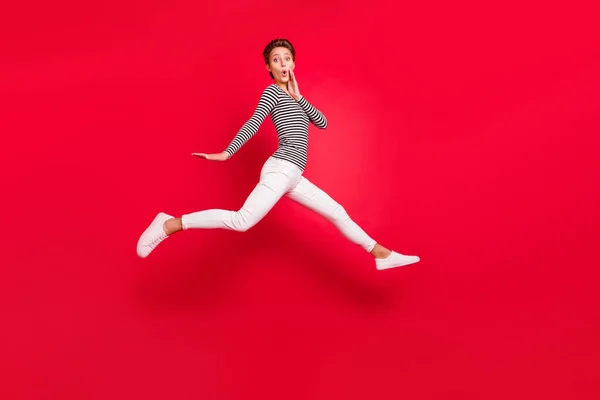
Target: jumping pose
[{"x": 282, "y": 173}]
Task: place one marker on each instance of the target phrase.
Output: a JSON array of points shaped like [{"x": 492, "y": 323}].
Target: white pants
[{"x": 279, "y": 178}]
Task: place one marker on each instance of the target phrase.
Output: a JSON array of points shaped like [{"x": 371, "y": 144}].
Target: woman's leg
[
  {"x": 315, "y": 199},
  {"x": 260, "y": 201},
  {"x": 274, "y": 182}
]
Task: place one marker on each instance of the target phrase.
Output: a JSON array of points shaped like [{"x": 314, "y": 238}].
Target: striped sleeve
[
  {"x": 315, "y": 116},
  {"x": 267, "y": 102}
]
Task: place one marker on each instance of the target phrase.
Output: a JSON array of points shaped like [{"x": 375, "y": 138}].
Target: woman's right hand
[{"x": 213, "y": 157}]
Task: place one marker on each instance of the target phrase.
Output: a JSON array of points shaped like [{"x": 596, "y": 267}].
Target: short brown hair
[{"x": 278, "y": 43}]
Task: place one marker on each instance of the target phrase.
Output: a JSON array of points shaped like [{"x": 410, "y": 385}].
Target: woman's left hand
[{"x": 293, "y": 86}]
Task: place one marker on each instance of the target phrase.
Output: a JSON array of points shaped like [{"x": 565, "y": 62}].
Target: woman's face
[{"x": 280, "y": 64}]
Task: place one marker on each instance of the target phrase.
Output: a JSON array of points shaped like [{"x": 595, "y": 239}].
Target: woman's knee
[
  {"x": 339, "y": 214},
  {"x": 244, "y": 226},
  {"x": 244, "y": 221}
]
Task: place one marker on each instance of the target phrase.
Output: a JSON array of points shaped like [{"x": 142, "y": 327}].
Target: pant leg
[
  {"x": 315, "y": 199},
  {"x": 275, "y": 180}
]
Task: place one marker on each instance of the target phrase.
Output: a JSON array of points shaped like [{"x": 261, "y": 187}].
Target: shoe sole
[{"x": 399, "y": 265}]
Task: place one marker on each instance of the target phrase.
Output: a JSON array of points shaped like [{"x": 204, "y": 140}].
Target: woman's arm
[
  {"x": 315, "y": 116},
  {"x": 267, "y": 102}
]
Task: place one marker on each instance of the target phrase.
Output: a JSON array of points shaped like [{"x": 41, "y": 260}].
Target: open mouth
[{"x": 284, "y": 73}]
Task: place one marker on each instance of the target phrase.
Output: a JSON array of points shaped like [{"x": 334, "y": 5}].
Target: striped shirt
[{"x": 290, "y": 118}]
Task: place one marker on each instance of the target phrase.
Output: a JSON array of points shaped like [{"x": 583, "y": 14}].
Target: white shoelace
[{"x": 157, "y": 239}]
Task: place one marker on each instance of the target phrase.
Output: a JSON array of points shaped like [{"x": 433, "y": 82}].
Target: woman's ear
[{"x": 268, "y": 67}]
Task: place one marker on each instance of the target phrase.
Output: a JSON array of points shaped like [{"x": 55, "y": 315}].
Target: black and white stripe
[{"x": 290, "y": 118}]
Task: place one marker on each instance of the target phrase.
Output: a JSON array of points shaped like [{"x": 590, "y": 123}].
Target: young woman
[{"x": 281, "y": 175}]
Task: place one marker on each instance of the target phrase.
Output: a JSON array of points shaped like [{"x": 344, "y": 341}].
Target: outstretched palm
[{"x": 213, "y": 157}]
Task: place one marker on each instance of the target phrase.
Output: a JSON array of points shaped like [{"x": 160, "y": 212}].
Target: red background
[{"x": 463, "y": 132}]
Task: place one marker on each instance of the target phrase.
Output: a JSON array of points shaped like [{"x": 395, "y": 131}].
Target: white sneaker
[
  {"x": 395, "y": 260},
  {"x": 153, "y": 235}
]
